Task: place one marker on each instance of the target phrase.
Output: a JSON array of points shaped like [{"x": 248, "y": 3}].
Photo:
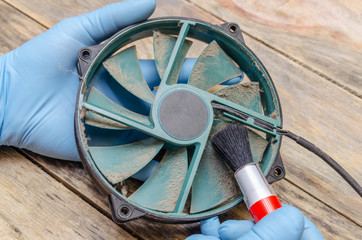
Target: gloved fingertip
[
  {"x": 310, "y": 231},
  {"x": 132, "y": 11},
  {"x": 293, "y": 212},
  {"x": 284, "y": 223},
  {"x": 102, "y": 23},
  {"x": 148, "y": 5},
  {"x": 233, "y": 229},
  {"x": 201, "y": 237},
  {"x": 210, "y": 226}
]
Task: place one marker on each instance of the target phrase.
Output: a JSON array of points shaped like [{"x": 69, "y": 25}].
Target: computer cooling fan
[{"x": 124, "y": 125}]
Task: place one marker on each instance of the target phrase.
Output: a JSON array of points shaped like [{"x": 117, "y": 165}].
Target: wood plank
[
  {"x": 323, "y": 36},
  {"x": 320, "y": 42},
  {"x": 312, "y": 106},
  {"x": 331, "y": 224},
  {"x": 35, "y": 206},
  {"x": 16, "y": 28},
  {"x": 314, "y": 37}
]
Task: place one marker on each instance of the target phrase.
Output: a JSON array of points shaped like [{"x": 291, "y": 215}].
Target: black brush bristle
[{"x": 232, "y": 144}]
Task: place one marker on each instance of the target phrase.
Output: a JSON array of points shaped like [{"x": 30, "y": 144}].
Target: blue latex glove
[
  {"x": 286, "y": 223},
  {"x": 39, "y": 82}
]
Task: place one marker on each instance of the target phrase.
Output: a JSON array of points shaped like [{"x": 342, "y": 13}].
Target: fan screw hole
[
  {"x": 86, "y": 54},
  {"x": 124, "y": 211},
  {"x": 233, "y": 28},
  {"x": 278, "y": 172}
]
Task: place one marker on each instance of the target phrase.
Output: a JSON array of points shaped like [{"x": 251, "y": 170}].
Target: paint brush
[{"x": 232, "y": 144}]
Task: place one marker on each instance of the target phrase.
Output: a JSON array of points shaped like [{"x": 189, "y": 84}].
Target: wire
[{"x": 324, "y": 156}]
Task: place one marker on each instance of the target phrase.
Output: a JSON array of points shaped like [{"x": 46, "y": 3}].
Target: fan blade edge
[
  {"x": 117, "y": 163},
  {"x": 213, "y": 67},
  {"x": 161, "y": 191},
  {"x": 125, "y": 69}
]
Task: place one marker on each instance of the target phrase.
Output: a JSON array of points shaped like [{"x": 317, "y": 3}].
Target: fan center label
[{"x": 183, "y": 115}]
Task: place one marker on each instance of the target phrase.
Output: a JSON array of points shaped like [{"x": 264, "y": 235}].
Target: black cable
[
  {"x": 330, "y": 161},
  {"x": 301, "y": 141},
  {"x": 243, "y": 116}
]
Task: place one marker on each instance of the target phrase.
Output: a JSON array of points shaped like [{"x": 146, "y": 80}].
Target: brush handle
[{"x": 259, "y": 196}]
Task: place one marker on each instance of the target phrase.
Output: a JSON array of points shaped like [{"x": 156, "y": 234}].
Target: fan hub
[{"x": 183, "y": 114}]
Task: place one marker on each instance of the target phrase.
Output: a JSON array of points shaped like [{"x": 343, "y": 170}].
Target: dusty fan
[{"x": 176, "y": 120}]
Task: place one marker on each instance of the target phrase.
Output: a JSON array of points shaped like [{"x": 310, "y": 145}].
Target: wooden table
[{"x": 313, "y": 51}]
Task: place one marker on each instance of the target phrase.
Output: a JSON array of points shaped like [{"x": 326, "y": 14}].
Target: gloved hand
[
  {"x": 286, "y": 223},
  {"x": 39, "y": 82}
]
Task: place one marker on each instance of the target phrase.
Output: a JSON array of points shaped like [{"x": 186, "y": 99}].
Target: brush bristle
[{"x": 232, "y": 144}]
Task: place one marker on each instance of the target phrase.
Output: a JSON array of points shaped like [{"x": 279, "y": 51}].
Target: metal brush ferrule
[{"x": 253, "y": 184}]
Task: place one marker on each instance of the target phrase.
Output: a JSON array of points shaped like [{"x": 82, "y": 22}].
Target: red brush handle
[
  {"x": 263, "y": 207},
  {"x": 259, "y": 196}
]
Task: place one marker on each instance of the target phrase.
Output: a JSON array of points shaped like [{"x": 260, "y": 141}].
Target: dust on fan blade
[
  {"x": 96, "y": 98},
  {"x": 162, "y": 46},
  {"x": 248, "y": 95},
  {"x": 161, "y": 191},
  {"x": 96, "y": 120},
  {"x": 245, "y": 94},
  {"x": 120, "y": 162},
  {"x": 213, "y": 67},
  {"x": 257, "y": 143},
  {"x": 125, "y": 68},
  {"x": 213, "y": 183}
]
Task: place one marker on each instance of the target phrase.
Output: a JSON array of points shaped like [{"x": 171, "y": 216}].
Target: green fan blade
[
  {"x": 120, "y": 162},
  {"x": 96, "y": 120},
  {"x": 161, "y": 191},
  {"x": 97, "y": 98},
  {"x": 212, "y": 68},
  {"x": 213, "y": 183},
  {"x": 125, "y": 68},
  {"x": 245, "y": 94},
  {"x": 162, "y": 47}
]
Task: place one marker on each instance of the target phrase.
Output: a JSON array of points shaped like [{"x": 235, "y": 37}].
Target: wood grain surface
[
  {"x": 313, "y": 106},
  {"x": 15, "y": 28},
  {"x": 332, "y": 224},
  {"x": 35, "y": 206}
]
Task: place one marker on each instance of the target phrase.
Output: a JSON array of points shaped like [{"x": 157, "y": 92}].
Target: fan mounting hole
[
  {"x": 278, "y": 172},
  {"x": 124, "y": 211},
  {"x": 233, "y": 28},
  {"x": 86, "y": 54}
]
